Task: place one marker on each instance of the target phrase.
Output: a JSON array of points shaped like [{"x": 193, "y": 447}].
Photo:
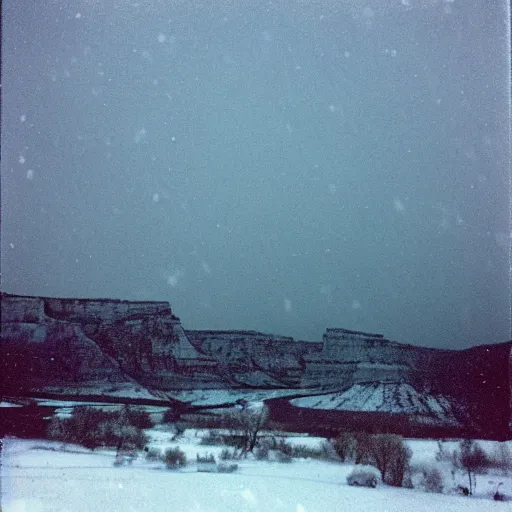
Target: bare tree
[
  {"x": 473, "y": 459},
  {"x": 249, "y": 422},
  {"x": 400, "y": 464}
]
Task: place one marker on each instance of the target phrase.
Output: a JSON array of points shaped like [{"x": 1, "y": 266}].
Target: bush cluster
[
  {"x": 387, "y": 452},
  {"x": 227, "y": 454},
  {"x": 283, "y": 457},
  {"x": 501, "y": 458},
  {"x": 302, "y": 451},
  {"x": 175, "y": 458},
  {"x": 226, "y": 468},
  {"x": 207, "y": 457},
  {"x": 139, "y": 418},
  {"x": 153, "y": 455},
  {"x": 201, "y": 421},
  {"x": 345, "y": 446},
  {"x": 471, "y": 458},
  {"x": 93, "y": 428},
  {"x": 235, "y": 440},
  {"x": 325, "y": 451},
  {"x": 283, "y": 451},
  {"x": 470, "y": 455},
  {"x": 261, "y": 452},
  {"x": 212, "y": 438},
  {"x": 179, "y": 430},
  {"x": 432, "y": 480}
]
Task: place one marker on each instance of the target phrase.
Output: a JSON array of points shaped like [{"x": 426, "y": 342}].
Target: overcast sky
[{"x": 278, "y": 166}]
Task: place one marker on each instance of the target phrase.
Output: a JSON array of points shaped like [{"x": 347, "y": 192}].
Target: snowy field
[{"x": 47, "y": 476}]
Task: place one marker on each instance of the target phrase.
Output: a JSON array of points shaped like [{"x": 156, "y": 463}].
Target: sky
[{"x": 277, "y": 166}]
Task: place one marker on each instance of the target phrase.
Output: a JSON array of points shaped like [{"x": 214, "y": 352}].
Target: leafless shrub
[
  {"x": 432, "y": 480},
  {"x": 471, "y": 457},
  {"x": 175, "y": 458},
  {"x": 226, "y": 468},
  {"x": 391, "y": 456},
  {"x": 153, "y": 454},
  {"x": 345, "y": 446},
  {"x": 501, "y": 458}
]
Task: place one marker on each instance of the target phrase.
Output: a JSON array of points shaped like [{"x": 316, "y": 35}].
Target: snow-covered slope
[{"x": 391, "y": 397}]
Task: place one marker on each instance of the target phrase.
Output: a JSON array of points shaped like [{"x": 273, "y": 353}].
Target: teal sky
[{"x": 279, "y": 166}]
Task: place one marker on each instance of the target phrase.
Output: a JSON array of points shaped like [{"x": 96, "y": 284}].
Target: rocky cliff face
[
  {"x": 107, "y": 345},
  {"x": 279, "y": 357},
  {"x": 49, "y": 343},
  {"x": 39, "y": 350}
]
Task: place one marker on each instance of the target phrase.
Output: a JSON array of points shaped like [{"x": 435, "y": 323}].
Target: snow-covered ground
[
  {"x": 199, "y": 397},
  {"x": 44, "y": 476},
  {"x": 122, "y": 389}
]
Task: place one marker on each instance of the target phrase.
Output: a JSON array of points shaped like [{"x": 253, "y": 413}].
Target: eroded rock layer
[{"x": 101, "y": 347}]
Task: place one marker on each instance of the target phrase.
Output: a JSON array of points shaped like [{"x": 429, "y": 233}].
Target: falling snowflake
[
  {"x": 398, "y": 205},
  {"x": 140, "y": 135},
  {"x": 249, "y": 497},
  {"x": 173, "y": 278}
]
